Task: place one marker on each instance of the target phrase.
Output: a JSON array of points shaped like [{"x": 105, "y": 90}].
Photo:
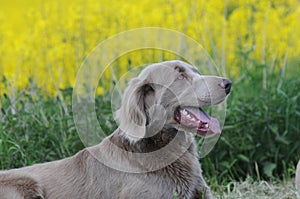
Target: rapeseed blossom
[{"x": 44, "y": 43}]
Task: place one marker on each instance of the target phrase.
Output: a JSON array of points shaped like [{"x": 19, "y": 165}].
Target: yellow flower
[{"x": 45, "y": 42}]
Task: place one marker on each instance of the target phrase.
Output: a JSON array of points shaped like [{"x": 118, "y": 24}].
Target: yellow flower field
[{"x": 43, "y": 43}]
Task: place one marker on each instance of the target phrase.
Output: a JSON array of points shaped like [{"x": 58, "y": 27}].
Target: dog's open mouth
[{"x": 197, "y": 119}]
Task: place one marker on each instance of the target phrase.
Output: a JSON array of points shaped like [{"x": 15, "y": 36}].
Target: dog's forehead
[
  {"x": 167, "y": 67},
  {"x": 193, "y": 68},
  {"x": 176, "y": 63}
]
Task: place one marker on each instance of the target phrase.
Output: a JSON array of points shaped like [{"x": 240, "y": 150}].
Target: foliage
[
  {"x": 261, "y": 129},
  {"x": 45, "y": 42},
  {"x": 35, "y": 128}
]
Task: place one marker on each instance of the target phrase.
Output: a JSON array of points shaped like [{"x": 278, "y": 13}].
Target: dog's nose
[{"x": 226, "y": 84}]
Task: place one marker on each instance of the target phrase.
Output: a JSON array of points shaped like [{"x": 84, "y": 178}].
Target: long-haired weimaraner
[{"x": 159, "y": 116}]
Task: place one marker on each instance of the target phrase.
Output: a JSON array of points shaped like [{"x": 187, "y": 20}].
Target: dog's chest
[{"x": 182, "y": 176}]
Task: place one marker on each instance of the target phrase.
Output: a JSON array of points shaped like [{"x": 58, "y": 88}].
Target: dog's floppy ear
[{"x": 132, "y": 115}]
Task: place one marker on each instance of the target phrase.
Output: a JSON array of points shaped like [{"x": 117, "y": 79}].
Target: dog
[
  {"x": 297, "y": 180},
  {"x": 152, "y": 154}
]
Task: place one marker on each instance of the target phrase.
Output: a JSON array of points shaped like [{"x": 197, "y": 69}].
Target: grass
[
  {"x": 250, "y": 189},
  {"x": 259, "y": 135},
  {"x": 35, "y": 128}
]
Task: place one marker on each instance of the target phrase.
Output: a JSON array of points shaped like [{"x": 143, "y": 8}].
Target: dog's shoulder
[{"x": 19, "y": 186}]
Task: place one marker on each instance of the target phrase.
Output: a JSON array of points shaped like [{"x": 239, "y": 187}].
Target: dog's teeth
[
  {"x": 184, "y": 112},
  {"x": 206, "y": 125}
]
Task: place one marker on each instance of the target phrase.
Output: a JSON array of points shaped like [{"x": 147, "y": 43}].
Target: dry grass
[{"x": 250, "y": 189}]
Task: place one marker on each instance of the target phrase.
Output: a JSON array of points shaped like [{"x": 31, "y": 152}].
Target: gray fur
[
  {"x": 298, "y": 178},
  {"x": 146, "y": 125}
]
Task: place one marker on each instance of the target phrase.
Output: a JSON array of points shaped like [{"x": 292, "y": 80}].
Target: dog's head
[{"x": 170, "y": 95}]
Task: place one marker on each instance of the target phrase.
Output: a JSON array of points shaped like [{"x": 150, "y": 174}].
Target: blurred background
[{"x": 255, "y": 43}]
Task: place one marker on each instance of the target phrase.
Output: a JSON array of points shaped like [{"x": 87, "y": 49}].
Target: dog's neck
[
  {"x": 143, "y": 145},
  {"x": 153, "y": 143},
  {"x": 145, "y": 154}
]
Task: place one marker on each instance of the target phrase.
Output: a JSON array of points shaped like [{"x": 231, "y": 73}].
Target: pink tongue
[
  {"x": 199, "y": 114},
  {"x": 214, "y": 125}
]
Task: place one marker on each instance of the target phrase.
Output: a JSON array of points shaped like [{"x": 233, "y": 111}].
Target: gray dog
[{"x": 151, "y": 155}]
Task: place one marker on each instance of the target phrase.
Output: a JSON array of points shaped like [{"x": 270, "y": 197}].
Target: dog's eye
[{"x": 181, "y": 77}]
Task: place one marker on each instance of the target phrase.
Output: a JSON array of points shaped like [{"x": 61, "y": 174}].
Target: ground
[{"x": 257, "y": 190}]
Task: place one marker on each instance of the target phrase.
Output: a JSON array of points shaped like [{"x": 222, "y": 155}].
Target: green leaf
[
  {"x": 243, "y": 158},
  {"x": 269, "y": 168}
]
